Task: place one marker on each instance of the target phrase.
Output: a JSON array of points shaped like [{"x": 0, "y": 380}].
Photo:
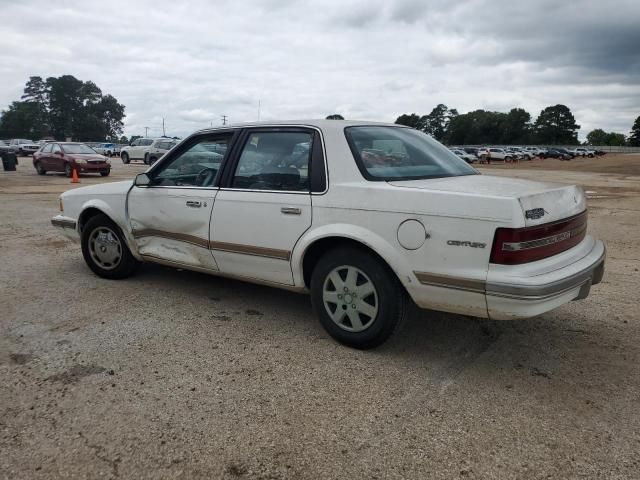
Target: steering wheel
[{"x": 205, "y": 177}]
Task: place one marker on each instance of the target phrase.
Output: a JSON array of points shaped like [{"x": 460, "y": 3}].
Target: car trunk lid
[{"x": 539, "y": 202}]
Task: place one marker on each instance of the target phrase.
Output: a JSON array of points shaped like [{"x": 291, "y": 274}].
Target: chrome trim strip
[
  {"x": 221, "y": 246},
  {"x": 447, "y": 281},
  {"x": 591, "y": 274},
  {"x": 62, "y": 223},
  {"x": 251, "y": 250},
  {"x": 181, "y": 237},
  {"x": 553, "y": 289}
]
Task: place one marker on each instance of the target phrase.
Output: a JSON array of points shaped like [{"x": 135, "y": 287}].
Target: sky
[{"x": 192, "y": 62}]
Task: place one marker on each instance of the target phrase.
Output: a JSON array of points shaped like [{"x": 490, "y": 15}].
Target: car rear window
[{"x": 401, "y": 153}]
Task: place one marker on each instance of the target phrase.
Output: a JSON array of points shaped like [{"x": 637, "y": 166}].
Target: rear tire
[
  {"x": 146, "y": 159},
  {"x": 105, "y": 250},
  {"x": 125, "y": 157},
  {"x": 357, "y": 298},
  {"x": 39, "y": 169},
  {"x": 152, "y": 160}
]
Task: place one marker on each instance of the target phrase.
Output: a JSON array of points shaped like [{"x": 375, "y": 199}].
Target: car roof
[{"x": 322, "y": 124}]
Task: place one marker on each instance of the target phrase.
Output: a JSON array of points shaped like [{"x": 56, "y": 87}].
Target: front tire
[
  {"x": 358, "y": 299},
  {"x": 125, "y": 157},
  {"x": 68, "y": 172},
  {"x": 105, "y": 174},
  {"x": 105, "y": 250}
]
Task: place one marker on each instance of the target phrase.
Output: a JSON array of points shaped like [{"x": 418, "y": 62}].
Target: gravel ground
[{"x": 173, "y": 374}]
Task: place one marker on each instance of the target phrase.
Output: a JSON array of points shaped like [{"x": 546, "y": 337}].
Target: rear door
[
  {"x": 169, "y": 218},
  {"x": 264, "y": 206}
]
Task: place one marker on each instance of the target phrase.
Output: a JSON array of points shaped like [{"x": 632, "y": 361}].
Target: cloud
[{"x": 193, "y": 62}]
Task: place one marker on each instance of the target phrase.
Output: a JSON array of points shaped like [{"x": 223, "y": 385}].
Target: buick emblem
[{"x": 535, "y": 213}]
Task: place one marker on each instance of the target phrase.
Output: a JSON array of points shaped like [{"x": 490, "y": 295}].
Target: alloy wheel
[{"x": 350, "y": 298}]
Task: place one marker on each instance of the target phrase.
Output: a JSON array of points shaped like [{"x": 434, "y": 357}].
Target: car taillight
[{"x": 513, "y": 246}]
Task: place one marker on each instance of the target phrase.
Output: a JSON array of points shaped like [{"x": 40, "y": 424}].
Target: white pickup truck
[
  {"x": 23, "y": 147},
  {"x": 365, "y": 217}
]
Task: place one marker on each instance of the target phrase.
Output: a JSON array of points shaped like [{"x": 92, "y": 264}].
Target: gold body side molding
[{"x": 220, "y": 246}]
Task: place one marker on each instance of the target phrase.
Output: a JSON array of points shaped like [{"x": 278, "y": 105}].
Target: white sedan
[{"x": 364, "y": 216}]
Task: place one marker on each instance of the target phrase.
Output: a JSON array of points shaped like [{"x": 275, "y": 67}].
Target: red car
[{"x": 67, "y": 156}]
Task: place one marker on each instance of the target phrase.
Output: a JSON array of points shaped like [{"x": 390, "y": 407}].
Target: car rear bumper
[
  {"x": 536, "y": 289},
  {"x": 67, "y": 226}
]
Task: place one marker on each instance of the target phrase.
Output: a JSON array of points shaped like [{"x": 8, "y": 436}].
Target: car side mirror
[{"x": 142, "y": 180}]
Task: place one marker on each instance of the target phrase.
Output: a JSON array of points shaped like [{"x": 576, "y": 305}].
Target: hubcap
[
  {"x": 105, "y": 248},
  {"x": 350, "y": 298}
]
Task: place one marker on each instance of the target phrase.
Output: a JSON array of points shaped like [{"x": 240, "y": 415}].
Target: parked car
[
  {"x": 158, "y": 148},
  {"x": 23, "y": 147},
  {"x": 371, "y": 217},
  {"x": 566, "y": 152},
  {"x": 106, "y": 149},
  {"x": 583, "y": 152},
  {"x": 67, "y": 156},
  {"x": 556, "y": 153},
  {"x": 137, "y": 150},
  {"x": 467, "y": 157},
  {"x": 495, "y": 153},
  {"x": 4, "y": 147},
  {"x": 515, "y": 153}
]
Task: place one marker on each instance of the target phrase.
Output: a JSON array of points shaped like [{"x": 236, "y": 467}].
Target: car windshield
[
  {"x": 78, "y": 149},
  {"x": 400, "y": 153}
]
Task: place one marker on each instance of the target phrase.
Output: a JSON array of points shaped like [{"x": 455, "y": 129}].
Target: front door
[
  {"x": 169, "y": 219},
  {"x": 265, "y": 205}
]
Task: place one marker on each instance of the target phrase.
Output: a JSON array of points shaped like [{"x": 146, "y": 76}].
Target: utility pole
[
  {"x": 146, "y": 131},
  {"x": 224, "y": 119},
  {"x": 163, "y": 132}
]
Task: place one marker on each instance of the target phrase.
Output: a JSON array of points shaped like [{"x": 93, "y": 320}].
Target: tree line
[
  {"x": 555, "y": 125},
  {"x": 63, "y": 107}
]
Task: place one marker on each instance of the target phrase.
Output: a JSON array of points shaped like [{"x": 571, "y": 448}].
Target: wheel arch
[
  {"x": 307, "y": 255},
  {"x": 96, "y": 207}
]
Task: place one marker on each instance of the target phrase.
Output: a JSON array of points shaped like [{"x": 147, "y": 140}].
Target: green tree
[
  {"x": 123, "y": 140},
  {"x": 411, "y": 120},
  {"x": 437, "y": 122},
  {"x": 634, "y": 137},
  {"x": 476, "y": 128},
  {"x": 516, "y": 127},
  {"x": 63, "y": 107},
  {"x": 597, "y": 137},
  {"x": 616, "y": 139},
  {"x": 600, "y": 137},
  {"x": 335, "y": 116},
  {"x": 557, "y": 125},
  {"x": 22, "y": 120}
]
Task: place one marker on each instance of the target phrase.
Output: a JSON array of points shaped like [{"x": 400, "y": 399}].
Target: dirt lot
[{"x": 173, "y": 374}]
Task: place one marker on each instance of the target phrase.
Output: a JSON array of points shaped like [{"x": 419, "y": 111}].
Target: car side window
[
  {"x": 198, "y": 165},
  {"x": 57, "y": 149},
  {"x": 147, "y": 142},
  {"x": 274, "y": 161},
  {"x": 47, "y": 148}
]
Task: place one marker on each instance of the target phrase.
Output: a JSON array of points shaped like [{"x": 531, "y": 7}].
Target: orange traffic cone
[{"x": 74, "y": 176}]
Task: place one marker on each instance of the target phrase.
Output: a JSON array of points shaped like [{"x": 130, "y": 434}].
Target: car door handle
[
  {"x": 291, "y": 210},
  {"x": 193, "y": 204}
]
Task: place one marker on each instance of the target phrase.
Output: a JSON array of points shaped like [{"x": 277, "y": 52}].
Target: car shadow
[{"x": 446, "y": 345}]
